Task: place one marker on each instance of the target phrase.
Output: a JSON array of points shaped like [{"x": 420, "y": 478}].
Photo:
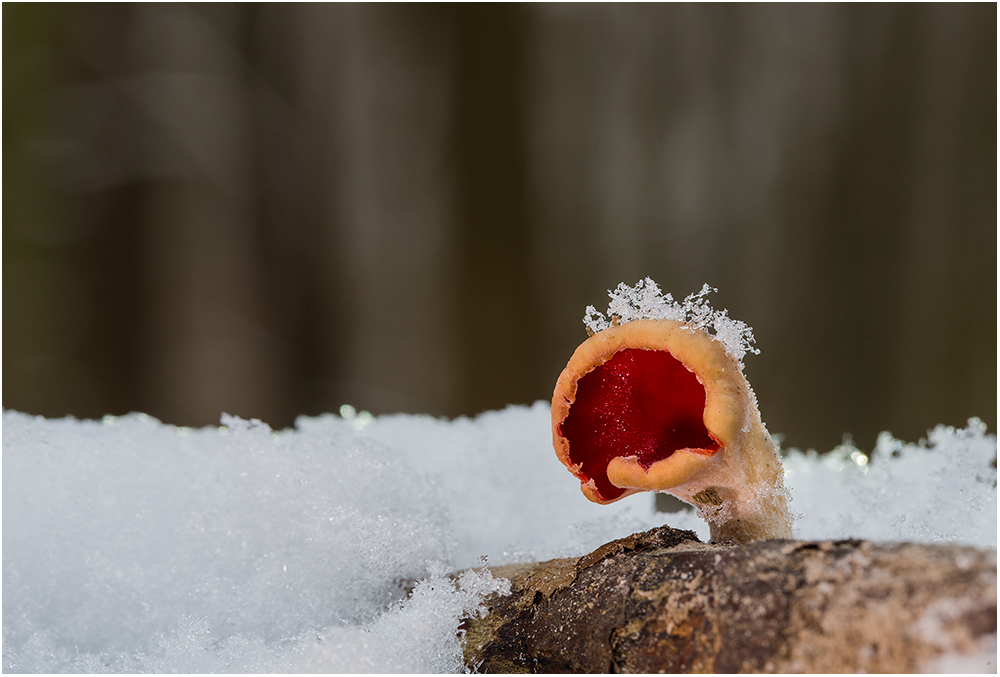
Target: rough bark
[{"x": 662, "y": 601}]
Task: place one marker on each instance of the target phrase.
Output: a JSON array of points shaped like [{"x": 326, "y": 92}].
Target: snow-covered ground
[
  {"x": 134, "y": 546},
  {"x": 129, "y": 545}
]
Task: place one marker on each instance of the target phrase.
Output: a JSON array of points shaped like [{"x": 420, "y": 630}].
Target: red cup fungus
[{"x": 659, "y": 405}]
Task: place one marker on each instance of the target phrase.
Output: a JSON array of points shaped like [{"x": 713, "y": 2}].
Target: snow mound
[
  {"x": 942, "y": 489},
  {"x": 133, "y": 546}
]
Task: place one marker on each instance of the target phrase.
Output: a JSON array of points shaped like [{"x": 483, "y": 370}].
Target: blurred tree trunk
[
  {"x": 662, "y": 601},
  {"x": 495, "y": 314}
]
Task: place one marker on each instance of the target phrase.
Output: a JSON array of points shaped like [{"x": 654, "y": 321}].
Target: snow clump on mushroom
[{"x": 645, "y": 301}]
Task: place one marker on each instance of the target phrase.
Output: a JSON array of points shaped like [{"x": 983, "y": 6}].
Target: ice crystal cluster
[{"x": 645, "y": 301}]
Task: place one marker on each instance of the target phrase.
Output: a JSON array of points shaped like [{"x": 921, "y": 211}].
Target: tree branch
[{"x": 662, "y": 601}]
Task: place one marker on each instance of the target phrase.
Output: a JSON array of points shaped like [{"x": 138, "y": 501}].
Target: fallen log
[{"x": 662, "y": 601}]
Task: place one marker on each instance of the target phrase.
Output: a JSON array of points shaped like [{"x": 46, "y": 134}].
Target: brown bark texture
[{"x": 662, "y": 601}]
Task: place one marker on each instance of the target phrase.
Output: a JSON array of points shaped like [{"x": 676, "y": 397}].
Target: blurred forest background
[{"x": 273, "y": 210}]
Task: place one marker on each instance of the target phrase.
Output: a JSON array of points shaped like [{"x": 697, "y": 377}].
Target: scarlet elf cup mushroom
[{"x": 653, "y": 402}]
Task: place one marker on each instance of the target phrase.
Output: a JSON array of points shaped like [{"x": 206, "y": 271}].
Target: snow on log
[{"x": 662, "y": 601}]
